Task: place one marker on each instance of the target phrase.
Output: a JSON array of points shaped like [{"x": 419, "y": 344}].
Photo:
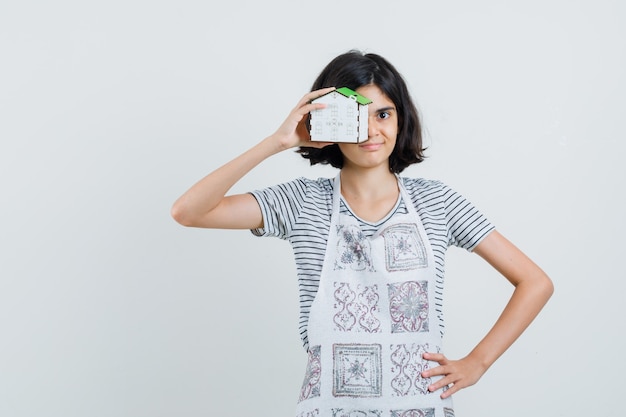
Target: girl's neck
[{"x": 368, "y": 184}]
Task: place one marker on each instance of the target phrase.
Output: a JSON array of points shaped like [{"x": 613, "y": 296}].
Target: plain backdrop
[{"x": 109, "y": 110}]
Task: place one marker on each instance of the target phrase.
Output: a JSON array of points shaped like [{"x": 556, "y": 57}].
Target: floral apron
[{"x": 371, "y": 321}]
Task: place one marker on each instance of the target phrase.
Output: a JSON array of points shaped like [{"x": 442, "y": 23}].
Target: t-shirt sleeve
[
  {"x": 280, "y": 205},
  {"x": 466, "y": 226}
]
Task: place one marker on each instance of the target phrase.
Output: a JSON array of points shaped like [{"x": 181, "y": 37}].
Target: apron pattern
[
  {"x": 422, "y": 412},
  {"x": 357, "y": 370},
  {"x": 340, "y": 412},
  {"x": 353, "y": 249},
  {"x": 407, "y": 366},
  {"x": 314, "y": 413},
  {"x": 356, "y": 310},
  {"x": 312, "y": 377},
  {"x": 408, "y": 306},
  {"x": 404, "y": 248}
]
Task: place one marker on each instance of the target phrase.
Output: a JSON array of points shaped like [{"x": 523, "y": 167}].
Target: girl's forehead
[
  {"x": 374, "y": 93},
  {"x": 379, "y": 99}
]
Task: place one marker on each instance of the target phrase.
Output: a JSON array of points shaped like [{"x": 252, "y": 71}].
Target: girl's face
[{"x": 382, "y": 132}]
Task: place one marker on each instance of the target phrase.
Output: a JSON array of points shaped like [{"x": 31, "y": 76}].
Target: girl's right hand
[{"x": 293, "y": 132}]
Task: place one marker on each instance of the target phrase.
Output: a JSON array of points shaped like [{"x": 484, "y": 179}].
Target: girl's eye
[{"x": 383, "y": 115}]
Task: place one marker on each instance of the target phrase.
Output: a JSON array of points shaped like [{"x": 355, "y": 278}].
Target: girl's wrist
[
  {"x": 274, "y": 144},
  {"x": 480, "y": 360}
]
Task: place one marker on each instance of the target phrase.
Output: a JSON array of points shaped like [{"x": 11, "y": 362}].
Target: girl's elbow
[
  {"x": 546, "y": 287},
  {"x": 181, "y": 215},
  {"x": 549, "y": 287}
]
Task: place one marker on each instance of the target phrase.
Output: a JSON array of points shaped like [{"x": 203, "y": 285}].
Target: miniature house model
[{"x": 344, "y": 119}]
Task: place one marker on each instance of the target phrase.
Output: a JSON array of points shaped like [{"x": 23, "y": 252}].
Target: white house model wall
[{"x": 343, "y": 119}]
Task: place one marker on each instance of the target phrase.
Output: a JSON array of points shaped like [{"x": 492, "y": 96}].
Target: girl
[{"x": 370, "y": 248}]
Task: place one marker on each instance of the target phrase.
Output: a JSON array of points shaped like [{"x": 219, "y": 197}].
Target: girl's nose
[{"x": 372, "y": 127}]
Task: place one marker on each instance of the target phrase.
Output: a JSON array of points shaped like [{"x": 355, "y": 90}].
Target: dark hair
[{"x": 355, "y": 69}]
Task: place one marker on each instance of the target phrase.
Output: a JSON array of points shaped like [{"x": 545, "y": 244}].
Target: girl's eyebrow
[{"x": 383, "y": 109}]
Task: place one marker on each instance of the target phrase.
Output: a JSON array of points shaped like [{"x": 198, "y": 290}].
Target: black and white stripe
[{"x": 300, "y": 211}]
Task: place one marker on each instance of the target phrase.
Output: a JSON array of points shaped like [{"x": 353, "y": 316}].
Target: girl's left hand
[{"x": 457, "y": 374}]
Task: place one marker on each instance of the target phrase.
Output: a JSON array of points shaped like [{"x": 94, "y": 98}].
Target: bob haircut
[{"x": 355, "y": 69}]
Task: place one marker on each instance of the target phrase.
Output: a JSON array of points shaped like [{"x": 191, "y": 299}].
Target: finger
[
  {"x": 436, "y": 371},
  {"x": 319, "y": 93},
  {"x": 451, "y": 390},
  {"x": 312, "y": 95},
  {"x": 307, "y": 108},
  {"x": 299, "y": 115},
  {"x": 300, "y": 112},
  {"x": 442, "y": 383},
  {"x": 435, "y": 357}
]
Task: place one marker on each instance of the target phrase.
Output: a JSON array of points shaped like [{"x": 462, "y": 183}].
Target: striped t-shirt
[{"x": 300, "y": 211}]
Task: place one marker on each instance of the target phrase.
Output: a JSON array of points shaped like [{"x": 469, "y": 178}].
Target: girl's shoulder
[
  {"x": 299, "y": 192},
  {"x": 311, "y": 188},
  {"x": 423, "y": 185},
  {"x": 321, "y": 183},
  {"x": 429, "y": 192},
  {"x": 301, "y": 186}
]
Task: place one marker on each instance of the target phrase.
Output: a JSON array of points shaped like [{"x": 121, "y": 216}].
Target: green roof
[{"x": 351, "y": 93}]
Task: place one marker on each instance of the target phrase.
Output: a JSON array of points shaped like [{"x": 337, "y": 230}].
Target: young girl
[{"x": 370, "y": 248}]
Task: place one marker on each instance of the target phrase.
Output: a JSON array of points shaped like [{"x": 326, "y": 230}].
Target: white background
[{"x": 110, "y": 110}]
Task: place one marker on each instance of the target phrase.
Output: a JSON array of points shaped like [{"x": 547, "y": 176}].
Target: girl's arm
[
  {"x": 205, "y": 204},
  {"x": 533, "y": 288}
]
